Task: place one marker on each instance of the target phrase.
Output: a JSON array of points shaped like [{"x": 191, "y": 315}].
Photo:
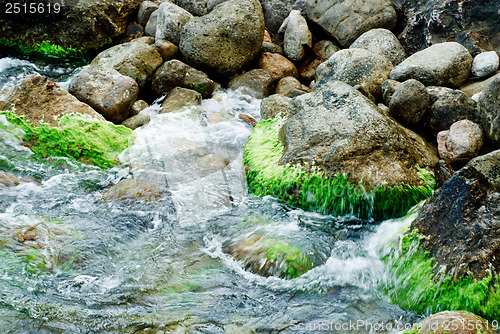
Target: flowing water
[{"x": 160, "y": 266}]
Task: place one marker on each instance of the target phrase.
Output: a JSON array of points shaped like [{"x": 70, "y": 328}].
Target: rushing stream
[{"x": 128, "y": 266}]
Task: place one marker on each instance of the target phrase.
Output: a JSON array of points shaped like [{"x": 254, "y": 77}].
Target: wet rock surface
[{"x": 461, "y": 225}]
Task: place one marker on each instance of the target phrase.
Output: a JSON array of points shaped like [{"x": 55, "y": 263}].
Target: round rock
[
  {"x": 226, "y": 40},
  {"x": 485, "y": 64},
  {"x": 409, "y": 101}
]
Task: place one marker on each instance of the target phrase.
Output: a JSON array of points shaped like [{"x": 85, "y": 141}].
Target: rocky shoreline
[{"x": 367, "y": 107}]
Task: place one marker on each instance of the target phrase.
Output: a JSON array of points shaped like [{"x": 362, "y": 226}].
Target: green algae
[
  {"x": 315, "y": 192},
  {"x": 419, "y": 288},
  {"x": 36, "y": 245},
  {"x": 296, "y": 262},
  {"x": 85, "y": 140},
  {"x": 45, "y": 48}
]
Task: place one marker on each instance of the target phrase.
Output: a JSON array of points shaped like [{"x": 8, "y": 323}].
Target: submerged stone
[
  {"x": 266, "y": 256},
  {"x": 35, "y": 244}
]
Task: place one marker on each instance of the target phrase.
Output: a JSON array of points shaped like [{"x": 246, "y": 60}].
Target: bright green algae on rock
[
  {"x": 85, "y": 140},
  {"x": 46, "y": 48},
  {"x": 417, "y": 287},
  {"x": 315, "y": 192}
]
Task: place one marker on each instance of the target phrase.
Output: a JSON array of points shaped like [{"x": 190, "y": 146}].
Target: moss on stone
[
  {"x": 85, "y": 140},
  {"x": 314, "y": 191},
  {"x": 417, "y": 287},
  {"x": 45, "y": 48},
  {"x": 296, "y": 262}
]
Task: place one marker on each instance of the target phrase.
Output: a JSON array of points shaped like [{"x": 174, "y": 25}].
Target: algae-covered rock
[
  {"x": 452, "y": 262},
  {"x": 41, "y": 100},
  {"x": 267, "y": 256},
  {"x": 52, "y": 122},
  {"x": 338, "y": 154},
  {"x": 35, "y": 244}
]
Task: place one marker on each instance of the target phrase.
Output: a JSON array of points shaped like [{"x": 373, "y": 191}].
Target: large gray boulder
[
  {"x": 445, "y": 64},
  {"x": 355, "y": 67},
  {"x": 107, "y": 91},
  {"x": 198, "y": 7},
  {"x": 175, "y": 73},
  {"x": 226, "y": 40},
  {"x": 171, "y": 19},
  {"x": 488, "y": 112},
  {"x": 346, "y": 20},
  {"x": 381, "y": 41},
  {"x": 135, "y": 59},
  {"x": 339, "y": 130},
  {"x": 83, "y": 25}
]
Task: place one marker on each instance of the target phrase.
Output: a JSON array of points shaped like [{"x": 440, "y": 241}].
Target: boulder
[
  {"x": 381, "y": 41},
  {"x": 276, "y": 11},
  {"x": 354, "y": 138},
  {"x": 333, "y": 148},
  {"x": 461, "y": 226},
  {"x": 277, "y": 65},
  {"x": 136, "y": 121},
  {"x": 171, "y": 19},
  {"x": 107, "y": 91},
  {"x": 445, "y": 64},
  {"x": 485, "y": 64},
  {"x": 179, "y": 98},
  {"x": 297, "y": 34},
  {"x": 72, "y": 129},
  {"x": 462, "y": 238},
  {"x": 409, "y": 102},
  {"x": 461, "y": 143},
  {"x": 455, "y": 322},
  {"x": 472, "y": 23},
  {"x": 166, "y": 49},
  {"x": 256, "y": 83},
  {"x": 447, "y": 107},
  {"x": 449, "y": 258},
  {"x": 488, "y": 165},
  {"x": 150, "y": 27},
  {"x": 488, "y": 112},
  {"x": 226, "y": 40},
  {"x": 136, "y": 59},
  {"x": 83, "y": 25},
  {"x": 355, "y": 67},
  {"x": 346, "y": 20},
  {"x": 41, "y": 100},
  {"x": 274, "y": 105},
  {"x": 175, "y": 73},
  {"x": 145, "y": 10}
]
